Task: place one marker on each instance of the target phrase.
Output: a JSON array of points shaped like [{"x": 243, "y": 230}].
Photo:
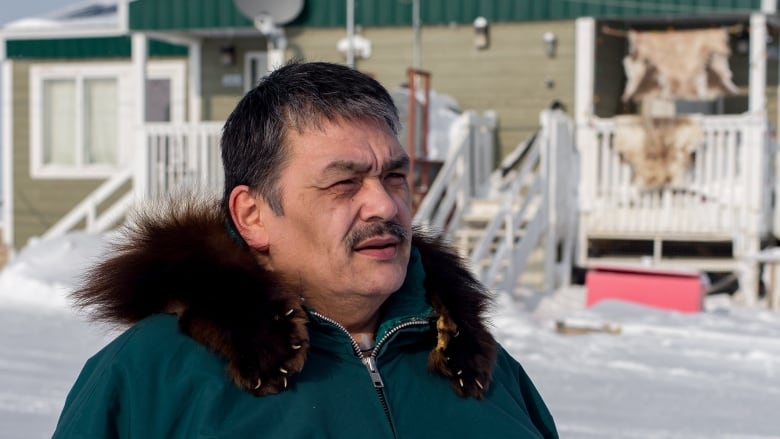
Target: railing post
[
  {"x": 751, "y": 216},
  {"x": 91, "y": 214},
  {"x": 757, "y": 82},
  {"x": 140, "y": 153}
]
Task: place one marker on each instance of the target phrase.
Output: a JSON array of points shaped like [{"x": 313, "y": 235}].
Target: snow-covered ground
[{"x": 714, "y": 374}]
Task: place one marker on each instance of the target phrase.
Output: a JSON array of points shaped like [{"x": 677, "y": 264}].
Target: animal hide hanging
[
  {"x": 683, "y": 64},
  {"x": 658, "y": 149}
]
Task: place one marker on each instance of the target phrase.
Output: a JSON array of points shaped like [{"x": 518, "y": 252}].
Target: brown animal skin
[
  {"x": 658, "y": 149},
  {"x": 683, "y": 64}
]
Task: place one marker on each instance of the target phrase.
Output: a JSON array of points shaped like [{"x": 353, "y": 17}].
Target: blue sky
[{"x": 15, "y": 9}]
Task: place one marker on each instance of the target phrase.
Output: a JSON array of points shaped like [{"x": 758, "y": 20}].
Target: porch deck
[
  {"x": 725, "y": 195},
  {"x": 712, "y": 218}
]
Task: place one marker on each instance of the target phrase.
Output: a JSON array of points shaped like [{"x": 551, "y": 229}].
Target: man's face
[{"x": 346, "y": 227}]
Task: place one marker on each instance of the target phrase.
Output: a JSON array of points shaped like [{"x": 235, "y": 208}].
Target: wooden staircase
[
  {"x": 516, "y": 227},
  {"x": 472, "y": 233}
]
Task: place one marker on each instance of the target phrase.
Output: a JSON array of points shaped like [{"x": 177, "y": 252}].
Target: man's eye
[
  {"x": 396, "y": 177},
  {"x": 345, "y": 183}
]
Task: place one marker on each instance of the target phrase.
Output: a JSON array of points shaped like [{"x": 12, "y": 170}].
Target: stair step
[{"x": 483, "y": 211}]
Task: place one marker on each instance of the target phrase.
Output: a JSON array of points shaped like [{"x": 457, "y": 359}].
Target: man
[{"x": 304, "y": 305}]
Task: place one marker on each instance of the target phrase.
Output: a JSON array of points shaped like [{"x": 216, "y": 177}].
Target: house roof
[
  {"x": 99, "y": 28},
  {"x": 162, "y": 15},
  {"x": 211, "y": 15},
  {"x": 86, "y": 14},
  {"x": 87, "y": 29}
]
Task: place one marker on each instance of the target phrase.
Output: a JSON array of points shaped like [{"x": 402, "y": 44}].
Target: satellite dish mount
[
  {"x": 269, "y": 15},
  {"x": 275, "y": 34}
]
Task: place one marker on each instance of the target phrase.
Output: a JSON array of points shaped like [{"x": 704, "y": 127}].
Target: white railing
[
  {"x": 539, "y": 201},
  {"x": 718, "y": 196},
  {"x": 725, "y": 195},
  {"x": 171, "y": 157},
  {"x": 87, "y": 209},
  {"x": 465, "y": 169},
  {"x": 180, "y": 155}
]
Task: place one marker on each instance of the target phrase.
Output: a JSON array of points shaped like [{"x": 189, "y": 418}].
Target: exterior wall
[
  {"x": 211, "y": 14},
  {"x": 508, "y": 77},
  {"x": 38, "y": 203},
  {"x": 219, "y": 98},
  {"x": 610, "y": 80}
]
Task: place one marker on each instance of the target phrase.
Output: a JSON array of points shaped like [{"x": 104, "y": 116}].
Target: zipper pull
[{"x": 373, "y": 372}]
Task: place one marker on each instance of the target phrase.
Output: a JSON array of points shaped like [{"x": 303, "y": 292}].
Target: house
[
  {"x": 679, "y": 170},
  {"x": 78, "y": 130},
  {"x": 111, "y": 99}
]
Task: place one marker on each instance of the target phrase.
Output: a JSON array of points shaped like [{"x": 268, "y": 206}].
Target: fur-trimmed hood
[{"x": 180, "y": 259}]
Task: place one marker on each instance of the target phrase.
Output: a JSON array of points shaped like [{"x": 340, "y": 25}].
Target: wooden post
[
  {"x": 7, "y": 144},
  {"x": 583, "y": 112},
  {"x": 757, "y": 92},
  {"x": 140, "y": 153},
  {"x": 196, "y": 98},
  {"x": 584, "y": 68}
]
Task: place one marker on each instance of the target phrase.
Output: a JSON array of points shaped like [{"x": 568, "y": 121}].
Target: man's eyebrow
[
  {"x": 397, "y": 164},
  {"x": 338, "y": 166}
]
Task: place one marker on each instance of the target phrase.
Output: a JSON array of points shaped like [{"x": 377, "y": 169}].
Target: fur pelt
[
  {"x": 180, "y": 259},
  {"x": 689, "y": 64},
  {"x": 659, "y": 150}
]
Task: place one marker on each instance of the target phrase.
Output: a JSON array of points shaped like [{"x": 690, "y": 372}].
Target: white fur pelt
[
  {"x": 687, "y": 64},
  {"x": 658, "y": 149}
]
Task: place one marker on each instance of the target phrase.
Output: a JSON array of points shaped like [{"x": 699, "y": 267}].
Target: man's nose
[{"x": 377, "y": 202}]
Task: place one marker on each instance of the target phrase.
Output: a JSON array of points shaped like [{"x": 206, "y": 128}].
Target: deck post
[
  {"x": 196, "y": 100},
  {"x": 547, "y": 149},
  {"x": 7, "y": 144},
  {"x": 757, "y": 92},
  {"x": 140, "y": 158},
  {"x": 584, "y": 68},
  {"x": 583, "y": 112},
  {"x": 748, "y": 243}
]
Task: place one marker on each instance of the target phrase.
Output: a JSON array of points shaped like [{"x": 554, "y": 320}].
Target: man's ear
[{"x": 246, "y": 212}]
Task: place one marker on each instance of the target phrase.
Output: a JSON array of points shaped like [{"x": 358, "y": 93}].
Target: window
[
  {"x": 80, "y": 112},
  {"x": 81, "y": 115},
  {"x": 255, "y": 68}
]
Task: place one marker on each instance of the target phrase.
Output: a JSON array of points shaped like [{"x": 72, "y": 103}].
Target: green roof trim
[
  {"x": 162, "y": 15},
  {"x": 185, "y": 14},
  {"x": 82, "y": 48}
]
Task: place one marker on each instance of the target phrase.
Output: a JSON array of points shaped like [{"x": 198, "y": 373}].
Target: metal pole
[
  {"x": 416, "y": 25},
  {"x": 351, "y": 33}
]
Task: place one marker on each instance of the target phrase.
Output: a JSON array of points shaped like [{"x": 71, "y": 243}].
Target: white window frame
[
  {"x": 174, "y": 71},
  {"x": 249, "y": 57},
  {"x": 122, "y": 72}
]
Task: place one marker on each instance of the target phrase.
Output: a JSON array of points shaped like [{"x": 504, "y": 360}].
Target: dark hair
[{"x": 296, "y": 96}]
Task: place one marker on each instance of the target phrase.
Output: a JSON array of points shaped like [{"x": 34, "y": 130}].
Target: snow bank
[{"x": 42, "y": 274}]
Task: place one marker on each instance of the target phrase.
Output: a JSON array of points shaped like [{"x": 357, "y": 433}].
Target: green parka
[{"x": 166, "y": 377}]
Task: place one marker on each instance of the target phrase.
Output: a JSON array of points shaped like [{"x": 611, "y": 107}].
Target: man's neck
[{"x": 360, "y": 318}]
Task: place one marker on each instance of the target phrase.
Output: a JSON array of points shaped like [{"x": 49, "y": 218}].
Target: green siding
[
  {"x": 496, "y": 79},
  {"x": 38, "y": 203},
  {"x": 210, "y": 14},
  {"x": 82, "y": 48},
  {"x": 219, "y": 99},
  {"x": 185, "y": 14}
]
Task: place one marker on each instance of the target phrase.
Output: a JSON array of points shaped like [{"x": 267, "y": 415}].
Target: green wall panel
[
  {"x": 210, "y": 14},
  {"x": 81, "y": 48}
]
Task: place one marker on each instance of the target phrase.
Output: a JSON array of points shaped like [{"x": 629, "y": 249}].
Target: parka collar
[{"x": 179, "y": 258}]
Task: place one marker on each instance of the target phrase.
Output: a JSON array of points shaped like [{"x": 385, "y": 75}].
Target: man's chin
[{"x": 385, "y": 281}]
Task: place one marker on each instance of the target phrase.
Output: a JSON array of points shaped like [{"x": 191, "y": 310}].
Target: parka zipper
[{"x": 370, "y": 361}]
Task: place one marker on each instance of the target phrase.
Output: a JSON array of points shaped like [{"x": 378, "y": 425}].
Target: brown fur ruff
[{"x": 182, "y": 260}]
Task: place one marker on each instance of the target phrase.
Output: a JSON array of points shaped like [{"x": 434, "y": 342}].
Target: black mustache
[{"x": 376, "y": 229}]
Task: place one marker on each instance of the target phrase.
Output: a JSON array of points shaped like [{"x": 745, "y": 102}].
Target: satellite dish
[{"x": 280, "y": 11}]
